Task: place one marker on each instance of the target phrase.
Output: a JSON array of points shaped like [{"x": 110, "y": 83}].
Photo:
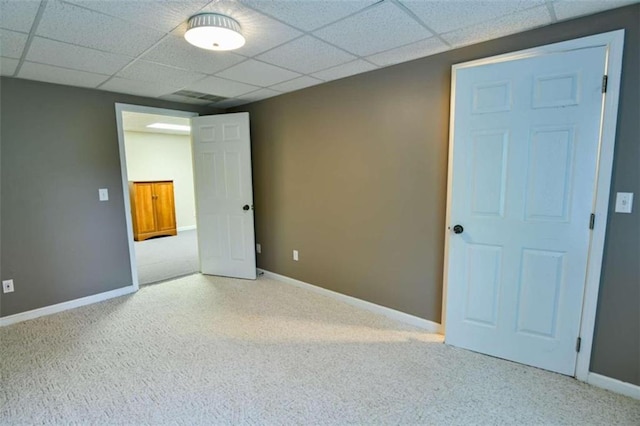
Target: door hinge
[
  {"x": 578, "y": 344},
  {"x": 604, "y": 83},
  {"x": 592, "y": 221}
]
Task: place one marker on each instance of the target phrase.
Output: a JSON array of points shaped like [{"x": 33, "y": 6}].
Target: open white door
[
  {"x": 525, "y": 158},
  {"x": 224, "y": 194}
]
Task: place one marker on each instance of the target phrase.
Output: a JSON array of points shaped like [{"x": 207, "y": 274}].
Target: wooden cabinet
[{"x": 152, "y": 209}]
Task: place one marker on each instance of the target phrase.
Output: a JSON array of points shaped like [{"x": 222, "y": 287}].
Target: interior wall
[
  {"x": 352, "y": 173},
  {"x": 162, "y": 156},
  {"x": 59, "y": 145}
]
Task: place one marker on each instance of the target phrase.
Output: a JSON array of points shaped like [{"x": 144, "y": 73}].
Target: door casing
[
  {"x": 120, "y": 108},
  {"x": 614, "y": 43}
]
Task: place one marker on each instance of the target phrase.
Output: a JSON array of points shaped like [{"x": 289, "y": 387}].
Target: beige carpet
[
  {"x": 205, "y": 350},
  {"x": 163, "y": 258}
]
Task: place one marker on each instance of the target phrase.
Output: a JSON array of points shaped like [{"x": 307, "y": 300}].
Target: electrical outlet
[
  {"x": 7, "y": 286},
  {"x": 258, "y": 248},
  {"x": 103, "y": 194},
  {"x": 295, "y": 255}
]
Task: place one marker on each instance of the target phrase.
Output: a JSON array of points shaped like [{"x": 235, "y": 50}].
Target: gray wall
[
  {"x": 352, "y": 174},
  {"x": 59, "y": 145}
]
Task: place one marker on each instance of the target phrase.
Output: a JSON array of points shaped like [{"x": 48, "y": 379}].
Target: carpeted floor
[
  {"x": 209, "y": 350},
  {"x": 163, "y": 258}
]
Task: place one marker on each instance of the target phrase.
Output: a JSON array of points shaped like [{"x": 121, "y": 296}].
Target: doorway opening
[{"x": 158, "y": 184}]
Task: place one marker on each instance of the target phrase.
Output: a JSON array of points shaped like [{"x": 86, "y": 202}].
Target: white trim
[
  {"x": 430, "y": 326},
  {"x": 65, "y": 306},
  {"x": 120, "y": 108},
  {"x": 614, "y": 385},
  {"x": 187, "y": 228},
  {"x": 614, "y": 42},
  {"x": 445, "y": 270}
]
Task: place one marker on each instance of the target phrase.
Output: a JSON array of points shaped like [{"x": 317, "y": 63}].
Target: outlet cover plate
[{"x": 7, "y": 286}]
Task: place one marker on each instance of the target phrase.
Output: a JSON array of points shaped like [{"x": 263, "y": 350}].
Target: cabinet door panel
[
  {"x": 144, "y": 206},
  {"x": 165, "y": 210}
]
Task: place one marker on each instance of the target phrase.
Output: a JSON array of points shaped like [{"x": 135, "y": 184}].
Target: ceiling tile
[
  {"x": 261, "y": 32},
  {"x": 8, "y": 66},
  {"x": 137, "y": 87},
  {"x": 221, "y": 87},
  {"x": 369, "y": 32},
  {"x": 152, "y": 72},
  {"x": 185, "y": 100},
  {"x": 345, "y": 70},
  {"x": 258, "y": 73},
  {"x": 445, "y": 16},
  {"x": 296, "y": 84},
  {"x": 72, "y": 24},
  {"x": 308, "y": 15},
  {"x": 318, "y": 55},
  {"x": 12, "y": 43},
  {"x": 51, "y": 74},
  {"x": 138, "y": 122},
  {"x": 506, "y": 25},
  {"x": 420, "y": 49},
  {"x": 230, "y": 103},
  {"x": 52, "y": 52},
  {"x": 258, "y": 95},
  {"x": 177, "y": 52},
  {"x": 18, "y": 15},
  {"x": 570, "y": 8},
  {"x": 161, "y": 15}
]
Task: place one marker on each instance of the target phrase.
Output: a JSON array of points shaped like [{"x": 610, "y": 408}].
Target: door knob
[
  {"x": 245, "y": 207},
  {"x": 458, "y": 229}
]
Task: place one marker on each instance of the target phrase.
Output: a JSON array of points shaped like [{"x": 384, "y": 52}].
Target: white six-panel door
[
  {"x": 224, "y": 195},
  {"x": 526, "y": 136}
]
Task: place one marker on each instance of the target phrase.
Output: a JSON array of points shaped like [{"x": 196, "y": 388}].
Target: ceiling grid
[{"x": 138, "y": 47}]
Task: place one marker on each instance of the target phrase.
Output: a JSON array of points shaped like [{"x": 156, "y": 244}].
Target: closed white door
[
  {"x": 224, "y": 194},
  {"x": 526, "y": 136}
]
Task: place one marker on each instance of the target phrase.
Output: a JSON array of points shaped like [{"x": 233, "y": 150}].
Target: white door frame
[
  {"x": 120, "y": 108},
  {"x": 614, "y": 42}
]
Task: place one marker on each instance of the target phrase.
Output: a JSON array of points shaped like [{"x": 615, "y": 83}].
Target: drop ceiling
[
  {"x": 137, "y": 47},
  {"x": 139, "y": 122}
]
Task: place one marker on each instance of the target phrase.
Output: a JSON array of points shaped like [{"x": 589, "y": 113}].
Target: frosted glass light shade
[{"x": 214, "y": 32}]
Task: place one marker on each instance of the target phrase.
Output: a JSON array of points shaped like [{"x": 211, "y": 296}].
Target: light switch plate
[
  {"x": 295, "y": 255},
  {"x": 103, "y": 194},
  {"x": 624, "y": 202},
  {"x": 258, "y": 248}
]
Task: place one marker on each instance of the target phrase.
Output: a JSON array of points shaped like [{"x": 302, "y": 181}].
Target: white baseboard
[
  {"x": 614, "y": 385},
  {"x": 65, "y": 306},
  {"x": 186, "y": 228},
  {"x": 430, "y": 326}
]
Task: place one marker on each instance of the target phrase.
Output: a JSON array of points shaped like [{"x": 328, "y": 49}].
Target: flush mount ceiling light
[{"x": 214, "y": 32}]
